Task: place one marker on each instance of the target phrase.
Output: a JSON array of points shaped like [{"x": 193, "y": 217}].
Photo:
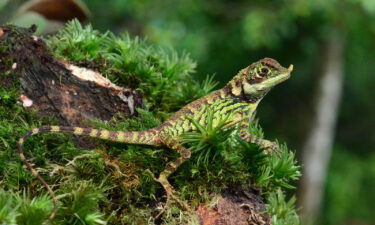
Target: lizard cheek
[{"x": 248, "y": 88}]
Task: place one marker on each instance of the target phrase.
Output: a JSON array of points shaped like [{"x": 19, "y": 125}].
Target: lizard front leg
[
  {"x": 270, "y": 146},
  {"x": 171, "y": 168}
]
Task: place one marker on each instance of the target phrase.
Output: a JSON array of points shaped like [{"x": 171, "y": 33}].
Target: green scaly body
[{"x": 238, "y": 100}]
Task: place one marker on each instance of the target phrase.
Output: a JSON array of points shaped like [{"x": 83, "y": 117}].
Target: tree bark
[
  {"x": 318, "y": 146},
  {"x": 57, "y": 89}
]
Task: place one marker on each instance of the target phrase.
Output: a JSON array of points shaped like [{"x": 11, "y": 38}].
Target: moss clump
[
  {"x": 162, "y": 75},
  {"x": 109, "y": 185}
]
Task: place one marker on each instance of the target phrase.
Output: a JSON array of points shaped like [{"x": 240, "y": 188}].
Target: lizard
[{"x": 239, "y": 99}]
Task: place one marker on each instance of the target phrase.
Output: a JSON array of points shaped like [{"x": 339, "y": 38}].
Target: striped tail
[{"x": 142, "y": 137}]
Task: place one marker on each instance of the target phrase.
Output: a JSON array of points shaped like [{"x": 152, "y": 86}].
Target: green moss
[
  {"x": 80, "y": 202},
  {"x": 132, "y": 62},
  {"x": 21, "y": 209},
  {"x": 109, "y": 183},
  {"x": 283, "y": 212},
  {"x": 9, "y": 208}
]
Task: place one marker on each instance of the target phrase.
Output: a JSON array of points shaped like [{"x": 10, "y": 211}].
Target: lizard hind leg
[{"x": 171, "y": 168}]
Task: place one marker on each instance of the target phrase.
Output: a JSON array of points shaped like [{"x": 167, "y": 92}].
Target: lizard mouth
[
  {"x": 290, "y": 68},
  {"x": 283, "y": 76}
]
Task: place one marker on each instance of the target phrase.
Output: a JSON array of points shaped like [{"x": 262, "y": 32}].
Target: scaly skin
[{"x": 238, "y": 99}]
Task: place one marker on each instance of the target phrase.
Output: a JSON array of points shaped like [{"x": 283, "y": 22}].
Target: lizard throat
[
  {"x": 236, "y": 90},
  {"x": 252, "y": 98}
]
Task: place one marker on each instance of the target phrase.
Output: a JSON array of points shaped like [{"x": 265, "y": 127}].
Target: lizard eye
[{"x": 263, "y": 72}]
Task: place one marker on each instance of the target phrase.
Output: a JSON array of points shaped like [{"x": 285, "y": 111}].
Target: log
[{"x": 58, "y": 89}]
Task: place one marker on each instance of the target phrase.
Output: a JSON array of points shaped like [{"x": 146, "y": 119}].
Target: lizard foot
[
  {"x": 172, "y": 198},
  {"x": 171, "y": 194},
  {"x": 271, "y": 147}
]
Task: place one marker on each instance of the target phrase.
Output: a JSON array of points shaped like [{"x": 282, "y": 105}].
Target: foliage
[
  {"x": 350, "y": 183},
  {"x": 282, "y": 211},
  {"x": 80, "y": 203},
  {"x": 212, "y": 137},
  {"x": 109, "y": 185},
  {"x": 20, "y": 209},
  {"x": 8, "y": 212},
  {"x": 33, "y": 211},
  {"x": 238, "y": 161}
]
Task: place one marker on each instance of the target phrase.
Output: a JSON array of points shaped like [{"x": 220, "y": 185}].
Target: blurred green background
[{"x": 318, "y": 37}]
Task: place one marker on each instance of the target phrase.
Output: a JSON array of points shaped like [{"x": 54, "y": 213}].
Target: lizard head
[
  {"x": 253, "y": 82},
  {"x": 263, "y": 75}
]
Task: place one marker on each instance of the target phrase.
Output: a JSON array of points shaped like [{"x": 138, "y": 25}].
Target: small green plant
[
  {"x": 282, "y": 211},
  {"x": 210, "y": 140},
  {"x": 225, "y": 157},
  {"x": 21, "y": 209},
  {"x": 9, "y": 208},
  {"x": 33, "y": 211},
  {"x": 81, "y": 203}
]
